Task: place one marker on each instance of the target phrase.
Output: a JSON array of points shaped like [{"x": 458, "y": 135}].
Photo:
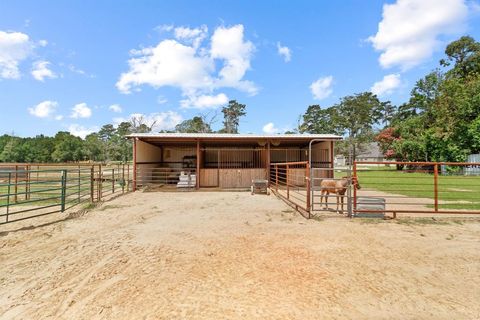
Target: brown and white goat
[{"x": 338, "y": 187}]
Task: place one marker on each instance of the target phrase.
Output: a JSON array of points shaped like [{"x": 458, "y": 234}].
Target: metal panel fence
[
  {"x": 291, "y": 181},
  {"x": 419, "y": 187},
  {"x": 153, "y": 176},
  {"x": 27, "y": 193}
]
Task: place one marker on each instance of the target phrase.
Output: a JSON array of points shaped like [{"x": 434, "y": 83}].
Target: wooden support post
[
  {"x": 123, "y": 177},
  {"x": 268, "y": 161},
  {"x": 435, "y": 185},
  {"x": 197, "y": 180},
  {"x": 332, "y": 159},
  {"x": 100, "y": 183},
  {"x": 64, "y": 190},
  {"x": 113, "y": 181},
  {"x": 92, "y": 179},
  {"x": 135, "y": 164}
]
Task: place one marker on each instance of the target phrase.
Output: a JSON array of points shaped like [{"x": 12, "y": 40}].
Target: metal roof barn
[{"x": 221, "y": 161}]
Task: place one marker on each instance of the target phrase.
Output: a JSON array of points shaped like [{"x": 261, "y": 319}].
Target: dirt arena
[{"x": 227, "y": 255}]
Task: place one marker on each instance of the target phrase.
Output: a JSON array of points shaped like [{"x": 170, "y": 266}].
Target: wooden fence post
[
  {"x": 100, "y": 183},
  {"x": 64, "y": 186},
  {"x": 92, "y": 179},
  {"x": 435, "y": 185},
  {"x": 123, "y": 178}
]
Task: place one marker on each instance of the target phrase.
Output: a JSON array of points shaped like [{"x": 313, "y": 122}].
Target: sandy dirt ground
[{"x": 227, "y": 255}]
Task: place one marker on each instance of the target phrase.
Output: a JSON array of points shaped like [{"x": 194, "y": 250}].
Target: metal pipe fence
[
  {"x": 291, "y": 181},
  {"x": 27, "y": 193},
  {"x": 151, "y": 175},
  {"x": 418, "y": 187}
]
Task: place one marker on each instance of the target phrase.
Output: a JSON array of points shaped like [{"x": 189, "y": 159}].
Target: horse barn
[{"x": 222, "y": 161}]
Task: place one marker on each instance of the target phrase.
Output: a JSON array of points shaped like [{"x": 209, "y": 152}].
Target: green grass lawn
[
  {"x": 421, "y": 185},
  {"x": 50, "y": 193}
]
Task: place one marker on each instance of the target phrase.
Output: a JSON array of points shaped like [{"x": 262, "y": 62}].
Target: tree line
[
  {"x": 108, "y": 144},
  {"x": 439, "y": 122}
]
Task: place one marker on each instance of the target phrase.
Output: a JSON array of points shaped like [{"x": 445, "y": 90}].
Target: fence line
[
  {"x": 291, "y": 181},
  {"x": 27, "y": 193},
  {"x": 420, "y": 187}
]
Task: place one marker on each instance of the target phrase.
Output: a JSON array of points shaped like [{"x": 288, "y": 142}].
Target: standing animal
[{"x": 339, "y": 187}]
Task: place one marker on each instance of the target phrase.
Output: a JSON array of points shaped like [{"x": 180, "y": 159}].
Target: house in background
[
  {"x": 371, "y": 152},
  {"x": 224, "y": 161}
]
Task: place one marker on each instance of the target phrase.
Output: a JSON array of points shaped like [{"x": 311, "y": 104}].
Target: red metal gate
[{"x": 291, "y": 182}]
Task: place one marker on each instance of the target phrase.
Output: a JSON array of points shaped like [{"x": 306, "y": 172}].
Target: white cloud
[
  {"x": 284, "y": 52},
  {"x": 42, "y": 43},
  {"x": 409, "y": 31},
  {"x": 185, "y": 64},
  {"x": 14, "y": 47},
  {"x": 81, "y": 110},
  {"x": 115, "y": 108},
  {"x": 322, "y": 88},
  {"x": 270, "y": 128},
  {"x": 161, "y": 121},
  {"x": 44, "y": 109},
  {"x": 194, "y": 36},
  {"x": 58, "y": 117},
  {"x": 204, "y": 101},
  {"x": 228, "y": 45},
  {"x": 387, "y": 85},
  {"x": 81, "y": 131},
  {"x": 170, "y": 63},
  {"x": 40, "y": 71}
]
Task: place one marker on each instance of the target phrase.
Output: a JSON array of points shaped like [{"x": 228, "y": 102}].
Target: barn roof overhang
[{"x": 156, "y": 138}]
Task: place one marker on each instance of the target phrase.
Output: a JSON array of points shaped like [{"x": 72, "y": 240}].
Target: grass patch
[{"x": 421, "y": 185}]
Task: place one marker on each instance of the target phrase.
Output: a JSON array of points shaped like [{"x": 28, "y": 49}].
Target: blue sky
[{"x": 76, "y": 65}]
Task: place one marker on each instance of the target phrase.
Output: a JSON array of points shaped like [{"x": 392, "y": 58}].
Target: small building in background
[{"x": 371, "y": 152}]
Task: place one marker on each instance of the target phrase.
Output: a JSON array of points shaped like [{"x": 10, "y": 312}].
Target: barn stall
[{"x": 224, "y": 161}]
